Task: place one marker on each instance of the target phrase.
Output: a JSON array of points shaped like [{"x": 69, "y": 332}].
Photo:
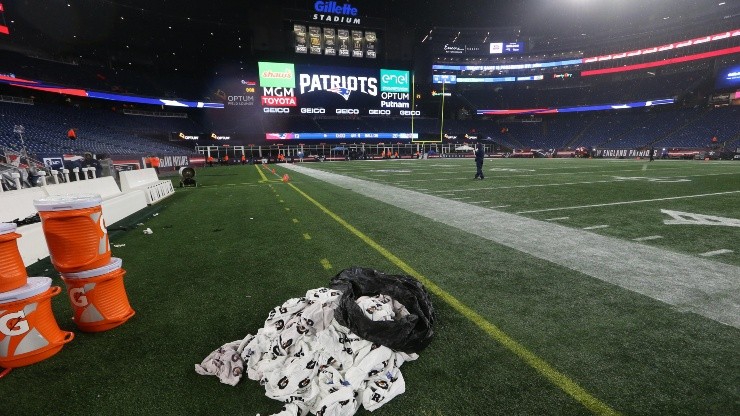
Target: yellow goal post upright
[{"x": 423, "y": 140}]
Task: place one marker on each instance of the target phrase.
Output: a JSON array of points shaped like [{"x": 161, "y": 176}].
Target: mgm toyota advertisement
[{"x": 286, "y": 88}]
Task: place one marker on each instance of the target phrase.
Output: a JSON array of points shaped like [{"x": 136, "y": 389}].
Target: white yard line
[
  {"x": 529, "y": 186},
  {"x": 596, "y": 227},
  {"x": 716, "y": 252},
  {"x": 638, "y": 201},
  {"x": 648, "y": 238},
  {"x": 691, "y": 283},
  {"x": 623, "y": 179},
  {"x": 557, "y": 219}
]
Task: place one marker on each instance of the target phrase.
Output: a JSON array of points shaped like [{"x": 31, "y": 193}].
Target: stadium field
[{"x": 561, "y": 286}]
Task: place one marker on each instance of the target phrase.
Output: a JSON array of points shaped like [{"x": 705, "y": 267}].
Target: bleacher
[
  {"x": 98, "y": 131},
  {"x": 718, "y": 122}
]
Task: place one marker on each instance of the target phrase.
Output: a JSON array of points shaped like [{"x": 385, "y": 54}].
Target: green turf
[{"x": 224, "y": 253}]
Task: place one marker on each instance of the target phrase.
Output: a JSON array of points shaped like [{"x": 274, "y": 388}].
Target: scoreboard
[
  {"x": 315, "y": 91},
  {"x": 287, "y": 88}
]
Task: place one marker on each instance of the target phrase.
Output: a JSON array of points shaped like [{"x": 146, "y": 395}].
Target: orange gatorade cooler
[
  {"x": 12, "y": 270},
  {"x": 75, "y": 231},
  {"x": 98, "y": 297},
  {"x": 28, "y": 330}
]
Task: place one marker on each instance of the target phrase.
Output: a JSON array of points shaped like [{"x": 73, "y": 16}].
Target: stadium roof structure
[{"x": 187, "y": 34}]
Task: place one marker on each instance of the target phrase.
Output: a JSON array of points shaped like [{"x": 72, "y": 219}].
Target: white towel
[
  {"x": 224, "y": 363},
  {"x": 307, "y": 360}
]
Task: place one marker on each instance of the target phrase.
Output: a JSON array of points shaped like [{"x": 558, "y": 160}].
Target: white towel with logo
[{"x": 306, "y": 359}]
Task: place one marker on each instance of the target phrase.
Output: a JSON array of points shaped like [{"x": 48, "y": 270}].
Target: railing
[
  {"x": 15, "y": 100},
  {"x": 154, "y": 113}
]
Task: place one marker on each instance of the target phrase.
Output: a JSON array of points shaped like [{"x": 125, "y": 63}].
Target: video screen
[
  {"x": 285, "y": 88},
  {"x": 728, "y": 77}
]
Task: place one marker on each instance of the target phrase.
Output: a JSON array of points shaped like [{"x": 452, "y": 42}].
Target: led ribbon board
[
  {"x": 43, "y": 86},
  {"x": 601, "y": 107}
]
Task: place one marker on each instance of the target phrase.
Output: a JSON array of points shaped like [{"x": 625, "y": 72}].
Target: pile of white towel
[{"x": 306, "y": 359}]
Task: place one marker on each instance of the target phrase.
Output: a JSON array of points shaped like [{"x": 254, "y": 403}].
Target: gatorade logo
[
  {"x": 85, "y": 310},
  {"x": 104, "y": 245},
  {"x": 18, "y": 320},
  {"x": 12, "y": 326},
  {"x": 77, "y": 297}
]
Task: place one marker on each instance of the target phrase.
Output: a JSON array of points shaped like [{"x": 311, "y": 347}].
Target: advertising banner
[
  {"x": 348, "y": 89},
  {"x": 52, "y": 161},
  {"x": 173, "y": 161},
  {"x": 728, "y": 77},
  {"x": 444, "y": 79},
  {"x": 493, "y": 48},
  {"x": 333, "y": 12},
  {"x": 392, "y": 80},
  {"x": 327, "y": 90},
  {"x": 276, "y": 74},
  {"x": 506, "y": 47}
]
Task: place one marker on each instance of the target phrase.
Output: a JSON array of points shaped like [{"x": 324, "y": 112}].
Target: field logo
[
  {"x": 275, "y": 74},
  {"x": 685, "y": 218},
  {"x": 394, "y": 81}
]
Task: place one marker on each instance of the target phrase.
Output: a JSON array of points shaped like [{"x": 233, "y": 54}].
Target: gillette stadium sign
[{"x": 331, "y": 11}]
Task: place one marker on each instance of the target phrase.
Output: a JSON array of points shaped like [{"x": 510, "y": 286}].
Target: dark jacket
[{"x": 479, "y": 154}]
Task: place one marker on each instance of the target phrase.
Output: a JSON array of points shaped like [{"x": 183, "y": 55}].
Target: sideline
[
  {"x": 689, "y": 283},
  {"x": 559, "y": 379}
]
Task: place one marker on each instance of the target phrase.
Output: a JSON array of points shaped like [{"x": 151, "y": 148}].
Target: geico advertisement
[{"x": 338, "y": 91}]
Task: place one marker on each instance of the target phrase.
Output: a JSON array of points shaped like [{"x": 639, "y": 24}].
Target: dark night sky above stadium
[
  {"x": 82, "y": 27},
  {"x": 534, "y": 14},
  {"x": 553, "y": 15}
]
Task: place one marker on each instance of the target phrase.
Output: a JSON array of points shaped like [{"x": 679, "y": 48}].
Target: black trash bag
[{"x": 409, "y": 334}]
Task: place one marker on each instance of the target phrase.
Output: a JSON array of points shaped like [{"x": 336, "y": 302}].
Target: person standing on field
[{"x": 479, "y": 155}]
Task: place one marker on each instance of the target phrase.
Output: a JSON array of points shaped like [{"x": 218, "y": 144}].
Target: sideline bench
[
  {"x": 117, "y": 205},
  {"x": 18, "y": 204},
  {"x": 147, "y": 181}
]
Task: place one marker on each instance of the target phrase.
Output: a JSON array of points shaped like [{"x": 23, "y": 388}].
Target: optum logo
[{"x": 392, "y": 80}]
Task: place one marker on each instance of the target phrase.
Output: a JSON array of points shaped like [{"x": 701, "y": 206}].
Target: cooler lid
[
  {"x": 115, "y": 263},
  {"x": 7, "y": 227},
  {"x": 67, "y": 202},
  {"x": 33, "y": 287}
]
